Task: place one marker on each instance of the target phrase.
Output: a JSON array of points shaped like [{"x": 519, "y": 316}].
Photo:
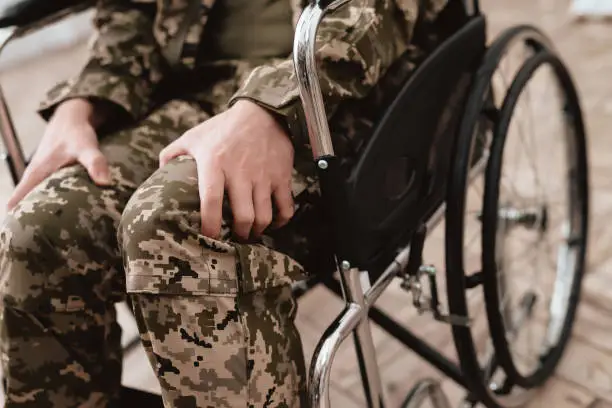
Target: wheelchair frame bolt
[
  {"x": 345, "y": 265},
  {"x": 323, "y": 165}
]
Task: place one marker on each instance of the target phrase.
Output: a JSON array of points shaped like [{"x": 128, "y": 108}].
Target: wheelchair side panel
[{"x": 401, "y": 177}]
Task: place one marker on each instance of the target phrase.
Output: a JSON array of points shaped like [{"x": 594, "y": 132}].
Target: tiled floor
[{"x": 584, "y": 378}]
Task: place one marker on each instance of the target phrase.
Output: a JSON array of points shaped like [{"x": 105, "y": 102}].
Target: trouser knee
[
  {"x": 216, "y": 316},
  {"x": 31, "y": 266},
  {"x": 48, "y": 265}
]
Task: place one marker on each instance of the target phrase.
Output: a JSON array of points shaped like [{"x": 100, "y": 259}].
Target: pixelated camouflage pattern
[
  {"x": 217, "y": 315},
  {"x": 61, "y": 272},
  {"x": 251, "y": 342},
  {"x": 61, "y": 268},
  {"x": 363, "y": 38},
  {"x": 163, "y": 37},
  {"x": 124, "y": 65}
]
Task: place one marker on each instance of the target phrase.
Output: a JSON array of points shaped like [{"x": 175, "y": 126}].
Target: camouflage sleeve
[
  {"x": 125, "y": 61},
  {"x": 355, "y": 46}
]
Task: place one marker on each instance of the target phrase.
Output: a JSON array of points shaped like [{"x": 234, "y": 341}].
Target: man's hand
[
  {"x": 245, "y": 151},
  {"x": 70, "y": 137}
]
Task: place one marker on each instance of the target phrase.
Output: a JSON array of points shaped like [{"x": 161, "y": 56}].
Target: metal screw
[
  {"x": 345, "y": 265},
  {"x": 323, "y": 164}
]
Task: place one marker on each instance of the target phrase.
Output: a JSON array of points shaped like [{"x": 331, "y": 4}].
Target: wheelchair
[{"x": 444, "y": 152}]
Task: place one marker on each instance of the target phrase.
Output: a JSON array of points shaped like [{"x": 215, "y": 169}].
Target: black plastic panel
[{"x": 401, "y": 176}]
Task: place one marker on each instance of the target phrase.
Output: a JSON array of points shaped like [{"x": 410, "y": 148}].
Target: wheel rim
[
  {"x": 530, "y": 221},
  {"x": 493, "y": 388}
]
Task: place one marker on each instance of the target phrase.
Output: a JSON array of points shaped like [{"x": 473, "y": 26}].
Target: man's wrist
[
  {"x": 95, "y": 112},
  {"x": 279, "y": 118},
  {"x": 289, "y": 118},
  {"x": 76, "y": 109}
]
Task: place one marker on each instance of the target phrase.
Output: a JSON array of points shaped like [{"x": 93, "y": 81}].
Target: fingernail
[{"x": 105, "y": 178}]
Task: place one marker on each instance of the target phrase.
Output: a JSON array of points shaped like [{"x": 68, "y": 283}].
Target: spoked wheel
[
  {"x": 472, "y": 256},
  {"x": 535, "y": 220}
]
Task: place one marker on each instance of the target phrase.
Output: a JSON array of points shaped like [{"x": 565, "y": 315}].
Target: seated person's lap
[
  {"x": 216, "y": 315},
  {"x": 67, "y": 268},
  {"x": 66, "y": 264}
]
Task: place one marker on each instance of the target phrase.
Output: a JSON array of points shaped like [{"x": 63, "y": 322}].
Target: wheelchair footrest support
[
  {"x": 414, "y": 285},
  {"x": 412, "y": 277}
]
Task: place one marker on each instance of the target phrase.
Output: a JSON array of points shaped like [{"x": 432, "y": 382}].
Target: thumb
[
  {"x": 94, "y": 161},
  {"x": 170, "y": 152}
]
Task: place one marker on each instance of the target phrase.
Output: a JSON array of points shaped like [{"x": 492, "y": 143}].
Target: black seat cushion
[{"x": 25, "y": 12}]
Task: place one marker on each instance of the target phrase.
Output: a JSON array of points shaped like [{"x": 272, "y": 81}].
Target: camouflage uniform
[{"x": 216, "y": 316}]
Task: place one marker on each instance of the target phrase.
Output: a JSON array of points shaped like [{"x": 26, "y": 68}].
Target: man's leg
[
  {"x": 61, "y": 272},
  {"x": 216, "y": 316}
]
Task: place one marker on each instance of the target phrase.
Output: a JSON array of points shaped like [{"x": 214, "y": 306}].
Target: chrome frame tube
[
  {"x": 304, "y": 58},
  {"x": 354, "y": 314},
  {"x": 14, "y": 155},
  {"x": 364, "y": 343},
  {"x": 304, "y": 50},
  {"x": 354, "y": 318},
  {"x": 321, "y": 364}
]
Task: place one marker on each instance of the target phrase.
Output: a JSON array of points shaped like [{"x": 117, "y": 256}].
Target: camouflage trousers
[{"x": 216, "y": 317}]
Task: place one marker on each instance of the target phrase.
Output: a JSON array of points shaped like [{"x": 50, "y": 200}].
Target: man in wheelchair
[{"x": 175, "y": 168}]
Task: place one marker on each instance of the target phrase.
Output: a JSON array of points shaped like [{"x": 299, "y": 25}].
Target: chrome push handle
[{"x": 304, "y": 49}]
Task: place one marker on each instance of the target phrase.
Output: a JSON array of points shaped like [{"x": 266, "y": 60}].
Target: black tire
[
  {"x": 567, "y": 283},
  {"x": 478, "y": 109}
]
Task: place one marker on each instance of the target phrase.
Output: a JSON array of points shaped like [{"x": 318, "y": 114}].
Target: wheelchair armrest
[{"x": 19, "y": 13}]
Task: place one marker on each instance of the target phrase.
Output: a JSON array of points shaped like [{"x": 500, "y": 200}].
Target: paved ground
[{"x": 584, "y": 378}]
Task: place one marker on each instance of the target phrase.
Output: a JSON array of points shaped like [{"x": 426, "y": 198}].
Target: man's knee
[
  {"x": 27, "y": 255},
  {"x": 161, "y": 210},
  {"x": 43, "y": 266},
  {"x": 163, "y": 248}
]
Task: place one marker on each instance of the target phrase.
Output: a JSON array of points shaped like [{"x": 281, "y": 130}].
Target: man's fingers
[
  {"x": 171, "y": 151},
  {"x": 33, "y": 175},
  {"x": 96, "y": 165},
  {"x": 211, "y": 185},
  {"x": 262, "y": 203},
  {"x": 240, "y": 192},
  {"x": 284, "y": 202}
]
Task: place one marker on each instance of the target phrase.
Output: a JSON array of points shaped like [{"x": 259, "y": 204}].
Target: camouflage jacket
[{"x": 139, "y": 41}]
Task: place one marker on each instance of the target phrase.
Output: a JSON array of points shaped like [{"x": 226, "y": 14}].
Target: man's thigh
[{"x": 133, "y": 152}]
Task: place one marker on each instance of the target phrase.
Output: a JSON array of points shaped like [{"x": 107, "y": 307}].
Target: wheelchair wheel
[
  {"x": 491, "y": 378},
  {"x": 535, "y": 228}
]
